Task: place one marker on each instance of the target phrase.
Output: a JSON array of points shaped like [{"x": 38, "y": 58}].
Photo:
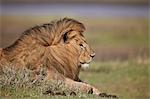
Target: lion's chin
[{"x": 84, "y": 66}]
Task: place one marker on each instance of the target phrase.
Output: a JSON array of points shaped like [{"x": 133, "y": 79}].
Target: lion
[{"x": 60, "y": 46}]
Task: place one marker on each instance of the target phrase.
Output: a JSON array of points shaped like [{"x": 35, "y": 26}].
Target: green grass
[{"x": 128, "y": 80}]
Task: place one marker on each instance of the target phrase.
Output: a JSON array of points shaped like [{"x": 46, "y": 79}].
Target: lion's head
[
  {"x": 78, "y": 41},
  {"x": 59, "y": 45}
]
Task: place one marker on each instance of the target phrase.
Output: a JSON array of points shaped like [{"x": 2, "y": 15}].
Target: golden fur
[{"x": 59, "y": 45}]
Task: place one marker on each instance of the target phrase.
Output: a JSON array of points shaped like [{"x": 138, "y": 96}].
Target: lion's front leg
[
  {"x": 80, "y": 86},
  {"x": 71, "y": 85},
  {"x": 86, "y": 88}
]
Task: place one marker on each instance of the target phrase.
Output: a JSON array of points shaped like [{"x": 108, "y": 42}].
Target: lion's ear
[
  {"x": 69, "y": 36},
  {"x": 65, "y": 37}
]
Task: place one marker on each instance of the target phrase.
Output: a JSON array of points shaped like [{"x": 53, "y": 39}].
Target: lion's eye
[{"x": 82, "y": 46}]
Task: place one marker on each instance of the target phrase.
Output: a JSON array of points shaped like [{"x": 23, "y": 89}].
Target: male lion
[{"x": 60, "y": 46}]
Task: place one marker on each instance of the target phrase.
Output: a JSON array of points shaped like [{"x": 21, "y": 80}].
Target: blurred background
[{"x": 116, "y": 29}]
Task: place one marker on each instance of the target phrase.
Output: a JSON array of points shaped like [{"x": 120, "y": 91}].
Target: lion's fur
[
  {"x": 30, "y": 49},
  {"x": 59, "y": 45}
]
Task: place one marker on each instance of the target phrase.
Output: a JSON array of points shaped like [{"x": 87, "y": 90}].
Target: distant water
[{"x": 92, "y": 10}]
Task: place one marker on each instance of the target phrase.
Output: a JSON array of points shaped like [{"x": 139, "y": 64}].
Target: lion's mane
[{"x": 31, "y": 49}]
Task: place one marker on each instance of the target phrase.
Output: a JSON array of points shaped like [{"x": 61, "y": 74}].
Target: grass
[{"x": 128, "y": 80}]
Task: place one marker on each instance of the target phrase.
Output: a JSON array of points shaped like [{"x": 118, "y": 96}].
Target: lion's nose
[{"x": 92, "y": 55}]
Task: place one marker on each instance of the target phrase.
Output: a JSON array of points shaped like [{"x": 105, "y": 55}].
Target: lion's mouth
[{"x": 85, "y": 66}]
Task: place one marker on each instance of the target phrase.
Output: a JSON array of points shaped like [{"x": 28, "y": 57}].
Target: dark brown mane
[
  {"x": 30, "y": 47},
  {"x": 50, "y": 33}
]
